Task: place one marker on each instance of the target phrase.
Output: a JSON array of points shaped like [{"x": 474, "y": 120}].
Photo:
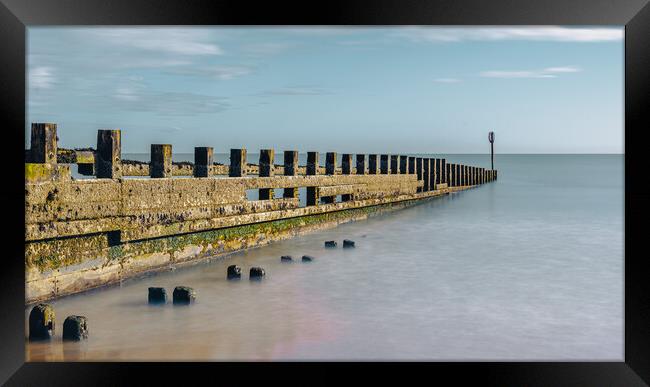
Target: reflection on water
[{"x": 527, "y": 268}]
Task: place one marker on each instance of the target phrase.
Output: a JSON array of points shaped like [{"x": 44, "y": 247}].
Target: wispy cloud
[
  {"x": 549, "y": 72},
  {"x": 446, "y": 80},
  {"x": 553, "y": 33},
  {"x": 214, "y": 72},
  {"x": 136, "y": 96},
  {"x": 268, "y": 48},
  {"x": 41, "y": 77},
  {"x": 295, "y": 90},
  {"x": 185, "y": 41}
]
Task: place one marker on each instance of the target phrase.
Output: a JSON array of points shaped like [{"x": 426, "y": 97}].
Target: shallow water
[{"x": 527, "y": 268}]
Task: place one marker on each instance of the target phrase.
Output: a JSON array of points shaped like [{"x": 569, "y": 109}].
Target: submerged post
[
  {"x": 237, "y": 162},
  {"x": 203, "y": 160},
  {"x": 267, "y": 159},
  {"x": 361, "y": 164},
  {"x": 108, "y": 158},
  {"x": 290, "y": 169},
  {"x": 161, "y": 161}
]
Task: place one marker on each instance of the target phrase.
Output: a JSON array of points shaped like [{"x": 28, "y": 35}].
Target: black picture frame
[{"x": 17, "y": 15}]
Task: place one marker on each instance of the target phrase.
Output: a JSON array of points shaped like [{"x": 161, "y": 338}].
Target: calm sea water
[{"x": 529, "y": 267}]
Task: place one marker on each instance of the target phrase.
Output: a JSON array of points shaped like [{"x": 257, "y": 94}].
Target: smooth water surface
[{"x": 528, "y": 267}]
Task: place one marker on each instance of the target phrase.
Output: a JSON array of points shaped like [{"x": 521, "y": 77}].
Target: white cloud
[
  {"x": 176, "y": 41},
  {"x": 552, "y": 33},
  {"x": 215, "y": 72},
  {"x": 269, "y": 48},
  {"x": 549, "y": 72},
  {"x": 297, "y": 90},
  {"x": 447, "y": 80},
  {"x": 41, "y": 77}
]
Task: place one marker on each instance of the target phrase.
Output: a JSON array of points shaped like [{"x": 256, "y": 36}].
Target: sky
[{"x": 415, "y": 89}]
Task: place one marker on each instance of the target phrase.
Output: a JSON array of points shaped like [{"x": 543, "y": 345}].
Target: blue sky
[{"x": 545, "y": 89}]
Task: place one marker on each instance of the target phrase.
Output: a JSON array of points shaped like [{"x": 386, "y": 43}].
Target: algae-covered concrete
[{"x": 82, "y": 234}]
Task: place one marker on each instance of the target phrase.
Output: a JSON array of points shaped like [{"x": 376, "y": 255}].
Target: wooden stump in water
[
  {"x": 234, "y": 272},
  {"x": 157, "y": 295},
  {"x": 41, "y": 322},
  {"x": 75, "y": 328},
  {"x": 184, "y": 295},
  {"x": 257, "y": 273}
]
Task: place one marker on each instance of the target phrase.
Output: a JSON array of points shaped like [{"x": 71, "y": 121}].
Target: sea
[{"x": 526, "y": 268}]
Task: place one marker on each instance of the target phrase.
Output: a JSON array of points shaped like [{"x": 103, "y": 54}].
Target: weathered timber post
[
  {"x": 203, "y": 160},
  {"x": 394, "y": 164},
  {"x": 403, "y": 165},
  {"x": 267, "y": 159},
  {"x": 41, "y": 163},
  {"x": 346, "y": 164},
  {"x": 448, "y": 175},
  {"x": 313, "y": 194},
  {"x": 312, "y": 164},
  {"x": 432, "y": 174},
  {"x": 237, "y": 162},
  {"x": 346, "y": 169},
  {"x": 330, "y": 169},
  {"x": 361, "y": 164},
  {"x": 439, "y": 171},
  {"x": 411, "y": 166},
  {"x": 418, "y": 170},
  {"x": 330, "y": 163},
  {"x": 43, "y": 145},
  {"x": 290, "y": 169},
  {"x": 463, "y": 175},
  {"x": 108, "y": 158},
  {"x": 426, "y": 171},
  {"x": 454, "y": 170},
  {"x": 372, "y": 165},
  {"x": 443, "y": 167},
  {"x": 384, "y": 164},
  {"x": 161, "y": 161}
]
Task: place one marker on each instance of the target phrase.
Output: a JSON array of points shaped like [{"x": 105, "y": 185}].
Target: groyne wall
[{"x": 134, "y": 217}]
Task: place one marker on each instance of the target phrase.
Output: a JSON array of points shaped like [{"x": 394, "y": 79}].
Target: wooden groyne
[{"x": 86, "y": 233}]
